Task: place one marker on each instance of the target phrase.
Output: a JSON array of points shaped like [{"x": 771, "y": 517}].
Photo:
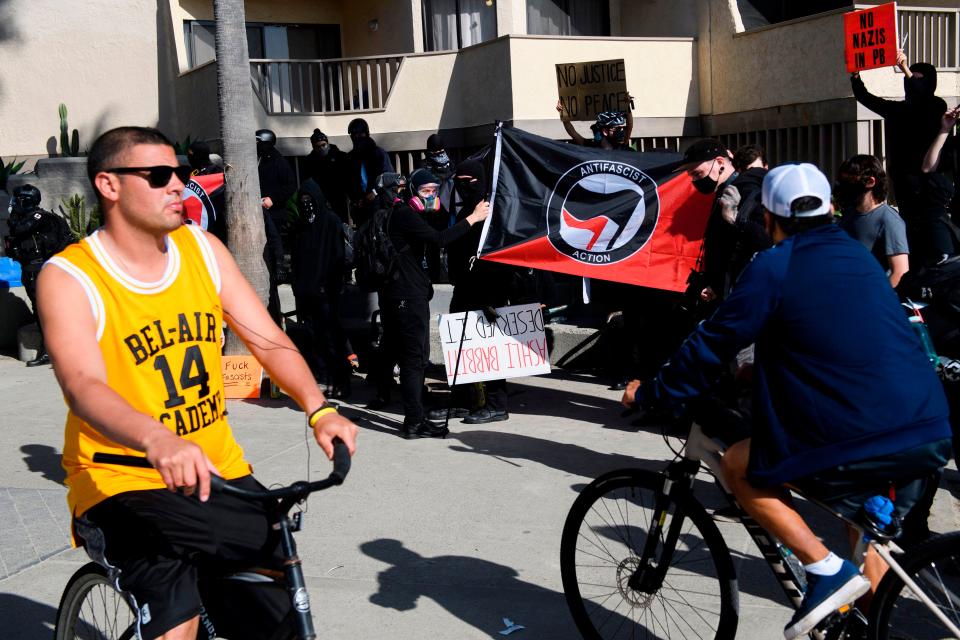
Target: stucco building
[{"x": 769, "y": 71}]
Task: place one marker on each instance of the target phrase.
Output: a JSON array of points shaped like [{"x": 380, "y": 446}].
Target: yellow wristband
[{"x": 324, "y": 409}]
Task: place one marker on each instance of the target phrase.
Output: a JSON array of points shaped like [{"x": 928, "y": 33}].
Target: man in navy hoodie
[{"x": 845, "y": 402}]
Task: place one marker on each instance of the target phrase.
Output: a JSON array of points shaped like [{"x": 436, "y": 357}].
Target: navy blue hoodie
[{"x": 839, "y": 374}]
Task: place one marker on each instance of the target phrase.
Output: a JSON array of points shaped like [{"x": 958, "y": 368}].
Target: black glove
[{"x": 490, "y": 314}]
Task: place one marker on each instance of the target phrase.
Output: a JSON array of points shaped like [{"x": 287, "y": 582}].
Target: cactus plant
[
  {"x": 7, "y": 170},
  {"x": 82, "y": 221},
  {"x": 69, "y": 145}
]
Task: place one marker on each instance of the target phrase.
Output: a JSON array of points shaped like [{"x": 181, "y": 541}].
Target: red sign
[{"x": 870, "y": 37}]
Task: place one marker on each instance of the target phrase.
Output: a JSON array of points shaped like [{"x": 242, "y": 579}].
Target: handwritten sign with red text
[
  {"x": 511, "y": 346},
  {"x": 870, "y": 37}
]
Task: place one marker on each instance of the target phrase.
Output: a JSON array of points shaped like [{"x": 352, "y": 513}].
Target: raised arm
[
  {"x": 628, "y": 131},
  {"x": 567, "y": 125},
  {"x": 249, "y": 319},
  {"x": 70, "y": 335},
  {"x": 932, "y": 160},
  {"x": 880, "y": 106}
]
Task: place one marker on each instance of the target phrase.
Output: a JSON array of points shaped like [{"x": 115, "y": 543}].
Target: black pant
[
  {"x": 406, "y": 334},
  {"x": 320, "y": 313}
]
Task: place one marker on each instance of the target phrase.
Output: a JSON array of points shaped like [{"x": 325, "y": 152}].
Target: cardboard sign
[
  {"x": 588, "y": 88},
  {"x": 513, "y": 345},
  {"x": 870, "y": 37},
  {"x": 241, "y": 377}
]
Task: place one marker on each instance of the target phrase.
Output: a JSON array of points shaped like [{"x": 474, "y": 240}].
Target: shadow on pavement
[
  {"x": 570, "y": 458},
  {"x": 26, "y": 619},
  {"x": 479, "y": 592},
  {"x": 45, "y": 460}
]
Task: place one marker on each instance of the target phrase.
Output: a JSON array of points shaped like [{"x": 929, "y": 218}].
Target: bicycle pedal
[{"x": 846, "y": 623}]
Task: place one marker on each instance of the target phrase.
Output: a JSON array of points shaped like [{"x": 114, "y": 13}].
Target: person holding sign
[
  {"x": 611, "y": 131},
  {"x": 911, "y": 126},
  {"x": 133, "y": 316}
]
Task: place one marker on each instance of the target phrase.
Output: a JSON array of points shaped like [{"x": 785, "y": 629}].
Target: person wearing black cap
[
  {"x": 198, "y": 155},
  {"x": 911, "y": 125},
  {"x": 405, "y": 301},
  {"x": 365, "y": 164},
  {"x": 327, "y": 165},
  {"x": 277, "y": 185},
  {"x": 709, "y": 164}
]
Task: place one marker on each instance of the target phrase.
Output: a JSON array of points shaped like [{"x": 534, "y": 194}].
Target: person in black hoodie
[
  {"x": 478, "y": 284},
  {"x": 317, "y": 266},
  {"x": 911, "y": 126},
  {"x": 365, "y": 164},
  {"x": 405, "y": 301},
  {"x": 326, "y": 164},
  {"x": 277, "y": 180}
]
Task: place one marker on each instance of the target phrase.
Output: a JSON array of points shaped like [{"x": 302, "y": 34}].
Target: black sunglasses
[{"x": 158, "y": 176}]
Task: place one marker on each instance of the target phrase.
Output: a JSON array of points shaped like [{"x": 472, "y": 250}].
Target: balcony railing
[
  {"x": 324, "y": 86},
  {"x": 933, "y": 35}
]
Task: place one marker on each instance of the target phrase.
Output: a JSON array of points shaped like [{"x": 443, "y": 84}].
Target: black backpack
[
  {"x": 374, "y": 255},
  {"x": 939, "y": 287}
]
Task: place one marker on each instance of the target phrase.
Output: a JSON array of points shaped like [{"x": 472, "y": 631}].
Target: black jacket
[
  {"x": 277, "y": 181},
  {"x": 410, "y": 234},
  {"x": 316, "y": 249},
  {"x": 330, "y": 173},
  {"x": 910, "y": 127}
]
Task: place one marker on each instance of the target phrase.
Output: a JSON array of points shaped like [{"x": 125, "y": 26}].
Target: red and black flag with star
[{"x": 612, "y": 215}]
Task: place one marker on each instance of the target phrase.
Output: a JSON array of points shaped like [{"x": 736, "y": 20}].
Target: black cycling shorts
[
  {"x": 161, "y": 541},
  {"x": 847, "y": 487}
]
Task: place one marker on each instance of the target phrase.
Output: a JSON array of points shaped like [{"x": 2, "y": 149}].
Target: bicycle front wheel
[
  {"x": 92, "y": 609},
  {"x": 613, "y": 570},
  {"x": 897, "y": 612}
]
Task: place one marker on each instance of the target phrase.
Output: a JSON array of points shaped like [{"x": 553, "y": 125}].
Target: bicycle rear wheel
[
  {"x": 91, "y": 609},
  {"x": 606, "y": 541},
  {"x": 897, "y": 613}
]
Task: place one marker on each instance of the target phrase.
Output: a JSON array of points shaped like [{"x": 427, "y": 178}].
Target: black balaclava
[
  {"x": 471, "y": 192},
  {"x": 915, "y": 88},
  {"x": 317, "y": 136},
  {"x": 437, "y": 159},
  {"x": 199, "y": 155}
]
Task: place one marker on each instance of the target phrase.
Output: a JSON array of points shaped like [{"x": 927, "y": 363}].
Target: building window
[
  {"x": 454, "y": 24},
  {"x": 568, "y": 17},
  {"x": 285, "y": 41}
]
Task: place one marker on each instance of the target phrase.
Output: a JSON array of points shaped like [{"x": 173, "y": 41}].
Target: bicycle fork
[
  {"x": 649, "y": 574},
  {"x": 296, "y": 586}
]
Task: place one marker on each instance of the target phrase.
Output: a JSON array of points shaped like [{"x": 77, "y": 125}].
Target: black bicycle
[
  {"x": 640, "y": 557},
  {"x": 94, "y": 607}
]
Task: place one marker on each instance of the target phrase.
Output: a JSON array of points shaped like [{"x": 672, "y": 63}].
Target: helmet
[
  {"x": 26, "y": 197},
  {"x": 266, "y": 137},
  {"x": 608, "y": 119}
]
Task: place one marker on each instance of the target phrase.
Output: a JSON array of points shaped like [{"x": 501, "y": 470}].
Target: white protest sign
[{"x": 513, "y": 345}]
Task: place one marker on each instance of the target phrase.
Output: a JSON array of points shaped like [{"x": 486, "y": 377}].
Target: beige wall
[
  {"x": 106, "y": 76},
  {"x": 672, "y": 92},
  {"x": 395, "y": 31}
]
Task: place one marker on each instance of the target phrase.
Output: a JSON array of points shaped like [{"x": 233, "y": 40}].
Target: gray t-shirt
[{"x": 881, "y": 231}]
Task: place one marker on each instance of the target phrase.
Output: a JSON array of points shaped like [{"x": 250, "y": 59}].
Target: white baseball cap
[{"x": 784, "y": 184}]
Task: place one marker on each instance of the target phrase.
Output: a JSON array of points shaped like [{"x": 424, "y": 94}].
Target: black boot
[
  {"x": 424, "y": 429},
  {"x": 41, "y": 359},
  {"x": 484, "y": 415}
]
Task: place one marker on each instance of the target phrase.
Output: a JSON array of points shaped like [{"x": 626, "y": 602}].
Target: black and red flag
[{"x": 611, "y": 215}]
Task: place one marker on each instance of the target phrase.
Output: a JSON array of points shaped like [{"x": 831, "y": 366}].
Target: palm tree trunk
[{"x": 245, "y": 234}]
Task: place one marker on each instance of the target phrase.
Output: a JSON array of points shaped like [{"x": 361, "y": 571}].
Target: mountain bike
[
  {"x": 640, "y": 557},
  {"x": 93, "y": 605}
]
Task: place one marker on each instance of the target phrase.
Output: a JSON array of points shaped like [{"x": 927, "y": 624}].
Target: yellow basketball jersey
[{"x": 161, "y": 346}]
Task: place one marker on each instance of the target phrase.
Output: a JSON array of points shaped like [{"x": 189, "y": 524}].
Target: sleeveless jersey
[{"x": 161, "y": 346}]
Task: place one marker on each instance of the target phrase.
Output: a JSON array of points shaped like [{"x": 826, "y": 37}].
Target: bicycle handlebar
[{"x": 300, "y": 489}]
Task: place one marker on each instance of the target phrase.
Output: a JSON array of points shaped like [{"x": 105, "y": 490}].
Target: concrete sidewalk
[{"x": 427, "y": 539}]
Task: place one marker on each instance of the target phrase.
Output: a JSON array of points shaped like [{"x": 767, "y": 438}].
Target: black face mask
[
  {"x": 848, "y": 194},
  {"x": 618, "y": 136},
  {"x": 469, "y": 190},
  {"x": 706, "y": 184}
]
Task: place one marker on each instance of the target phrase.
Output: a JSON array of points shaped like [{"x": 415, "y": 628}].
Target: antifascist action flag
[{"x": 612, "y": 215}]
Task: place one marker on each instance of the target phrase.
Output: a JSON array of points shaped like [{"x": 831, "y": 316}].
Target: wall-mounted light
[{"x": 374, "y": 24}]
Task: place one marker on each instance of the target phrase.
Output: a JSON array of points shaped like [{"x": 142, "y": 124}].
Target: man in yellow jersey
[{"x": 133, "y": 318}]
